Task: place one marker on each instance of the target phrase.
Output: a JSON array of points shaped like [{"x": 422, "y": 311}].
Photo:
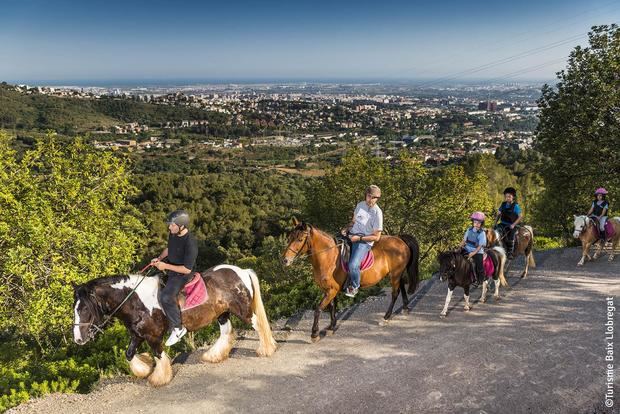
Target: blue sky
[{"x": 387, "y": 39}]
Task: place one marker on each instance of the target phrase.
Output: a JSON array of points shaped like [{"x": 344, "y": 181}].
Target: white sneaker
[{"x": 175, "y": 336}]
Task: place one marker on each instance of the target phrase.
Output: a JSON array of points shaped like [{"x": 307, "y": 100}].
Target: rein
[{"x": 94, "y": 328}]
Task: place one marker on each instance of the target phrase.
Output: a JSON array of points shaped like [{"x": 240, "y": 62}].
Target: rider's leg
[
  {"x": 602, "y": 222},
  {"x": 510, "y": 240},
  {"x": 358, "y": 252},
  {"x": 168, "y": 298},
  {"x": 479, "y": 267}
]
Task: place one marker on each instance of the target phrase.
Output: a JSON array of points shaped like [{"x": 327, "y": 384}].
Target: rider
[
  {"x": 509, "y": 214},
  {"x": 365, "y": 229},
  {"x": 181, "y": 252},
  {"x": 599, "y": 210},
  {"x": 473, "y": 244}
]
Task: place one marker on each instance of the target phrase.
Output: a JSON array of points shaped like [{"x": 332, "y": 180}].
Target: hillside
[{"x": 71, "y": 115}]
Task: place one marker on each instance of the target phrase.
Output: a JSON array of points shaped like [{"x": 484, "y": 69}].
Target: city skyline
[{"x": 433, "y": 44}]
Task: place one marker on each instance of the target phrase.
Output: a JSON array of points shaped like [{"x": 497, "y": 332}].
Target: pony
[
  {"x": 586, "y": 231},
  {"x": 134, "y": 300},
  {"x": 524, "y": 244},
  {"x": 394, "y": 256},
  {"x": 458, "y": 271}
]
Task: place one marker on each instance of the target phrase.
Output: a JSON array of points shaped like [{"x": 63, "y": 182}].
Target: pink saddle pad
[
  {"x": 609, "y": 230},
  {"x": 489, "y": 267},
  {"x": 367, "y": 262},
  {"x": 487, "y": 264},
  {"x": 195, "y": 292}
]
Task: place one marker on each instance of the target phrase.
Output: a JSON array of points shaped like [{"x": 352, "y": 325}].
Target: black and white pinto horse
[
  {"x": 134, "y": 300},
  {"x": 458, "y": 271}
]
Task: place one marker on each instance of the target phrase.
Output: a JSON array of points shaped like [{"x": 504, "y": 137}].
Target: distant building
[{"x": 490, "y": 106}]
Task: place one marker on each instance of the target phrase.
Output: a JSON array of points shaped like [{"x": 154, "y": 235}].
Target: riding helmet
[
  {"x": 178, "y": 217},
  {"x": 600, "y": 190},
  {"x": 478, "y": 216}
]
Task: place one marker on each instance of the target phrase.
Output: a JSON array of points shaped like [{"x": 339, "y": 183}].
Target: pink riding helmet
[
  {"x": 478, "y": 215},
  {"x": 600, "y": 190}
]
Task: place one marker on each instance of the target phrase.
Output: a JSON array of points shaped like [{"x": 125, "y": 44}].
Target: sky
[{"x": 434, "y": 41}]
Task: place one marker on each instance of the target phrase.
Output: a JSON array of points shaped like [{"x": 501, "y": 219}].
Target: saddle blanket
[
  {"x": 489, "y": 268},
  {"x": 367, "y": 262},
  {"x": 195, "y": 293}
]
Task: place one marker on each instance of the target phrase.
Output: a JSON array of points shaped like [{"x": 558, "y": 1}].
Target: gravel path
[{"x": 540, "y": 349}]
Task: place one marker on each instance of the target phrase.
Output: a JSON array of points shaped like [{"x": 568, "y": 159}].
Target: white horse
[{"x": 586, "y": 231}]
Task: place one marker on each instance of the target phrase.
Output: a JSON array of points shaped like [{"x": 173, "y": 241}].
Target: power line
[
  {"x": 505, "y": 60},
  {"x": 526, "y": 35}
]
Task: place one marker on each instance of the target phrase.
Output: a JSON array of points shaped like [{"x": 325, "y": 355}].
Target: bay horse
[
  {"x": 393, "y": 256},
  {"x": 458, "y": 271},
  {"x": 134, "y": 300},
  {"x": 523, "y": 245},
  {"x": 586, "y": 231}
]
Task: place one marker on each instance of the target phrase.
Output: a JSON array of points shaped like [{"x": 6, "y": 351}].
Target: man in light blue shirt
[{"x": 365, "y": 229}]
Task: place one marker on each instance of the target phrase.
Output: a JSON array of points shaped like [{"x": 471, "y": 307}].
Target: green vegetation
[{"x": 579, "y": 132}]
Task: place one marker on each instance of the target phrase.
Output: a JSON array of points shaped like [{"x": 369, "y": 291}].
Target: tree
[
  {"x": 579, "y": 130},
  {"x": 65, "y": 218},
  {"x": 434, "y": 206}
]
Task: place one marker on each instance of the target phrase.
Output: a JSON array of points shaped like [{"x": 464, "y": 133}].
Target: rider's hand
[
  {"x": 344, "y": 232},
  {"x": 512, "y": 226},
  {"x": 470, "y": 255},
  {"x": 160, "y": 265},
  {"x": 154, "y": 260}
]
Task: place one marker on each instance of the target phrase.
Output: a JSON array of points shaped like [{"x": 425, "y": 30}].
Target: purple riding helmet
[{"x": 600, "y": 190}]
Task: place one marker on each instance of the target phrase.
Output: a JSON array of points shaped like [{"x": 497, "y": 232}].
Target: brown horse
[
  {"x": 133, "y": 299},
  {"x": 524, "y": 244},
  {"x": 393, "y": 256},
  {"x": 585, "y": 230}
]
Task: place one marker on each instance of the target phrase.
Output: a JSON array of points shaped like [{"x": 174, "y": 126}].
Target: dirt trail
[{"x": 540, "y": 349}]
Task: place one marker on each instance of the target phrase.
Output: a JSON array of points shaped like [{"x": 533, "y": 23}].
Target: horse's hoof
[
  {"x": 442, "y": 315},
  {"x": 406, "y": 311},
  {"x": 315, "y": 338},
  {"x": 467, "y": 308},
  {"x": 611, "y": 259},
  {"x": 329, "y": 332},
  {"x": 579, "y": 264},
  {"x": 384, "y": 322},
  {"x": 496, "y": 298},
  {"x": 483, "y": 301}
]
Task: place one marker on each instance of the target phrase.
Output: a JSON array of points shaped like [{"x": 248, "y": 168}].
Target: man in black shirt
[{"x": 181, "y": 252}]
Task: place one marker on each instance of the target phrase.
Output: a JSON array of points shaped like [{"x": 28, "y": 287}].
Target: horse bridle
[
  {"x": 310, "y": 253},
  {"x": 585, "y": 224},
  {"x": 94, "y": 328}
]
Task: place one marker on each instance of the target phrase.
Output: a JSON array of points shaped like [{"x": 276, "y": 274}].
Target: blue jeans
[{"x": 358, "y": 252}]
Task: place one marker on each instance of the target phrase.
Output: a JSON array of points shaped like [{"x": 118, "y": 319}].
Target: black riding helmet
[
  {"x": 178, "y": 217},
  {"x": 510, "y": 190}
]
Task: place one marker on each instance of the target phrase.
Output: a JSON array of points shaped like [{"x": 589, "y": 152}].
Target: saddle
[
  {"x": 487, "y": 264},
  {"x": 609, "y": 229},
  {"x": 194, "y": 293},
  {"x": 345, "y": 255}
]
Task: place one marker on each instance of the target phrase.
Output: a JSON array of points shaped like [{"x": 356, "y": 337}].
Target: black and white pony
[
  {"x": 458, "y": 271},
  {"x": 134, "y": 300}
]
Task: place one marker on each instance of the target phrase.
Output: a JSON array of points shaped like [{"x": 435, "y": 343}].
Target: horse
[
  {"x": 134, "y": 300},
  {"x": 524, "y": 244},
  {"x": 586, "y": 231},
  {"x": 393, "y": 256},
  {"x": 458, "y": 271}
]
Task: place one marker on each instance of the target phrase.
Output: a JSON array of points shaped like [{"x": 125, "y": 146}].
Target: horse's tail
[
  {"x": 259, "y": 320},
  {"x": 530, "y": 250},
  {"x": 501, "y": 253},
  {"x": 413, "y": 271}
]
